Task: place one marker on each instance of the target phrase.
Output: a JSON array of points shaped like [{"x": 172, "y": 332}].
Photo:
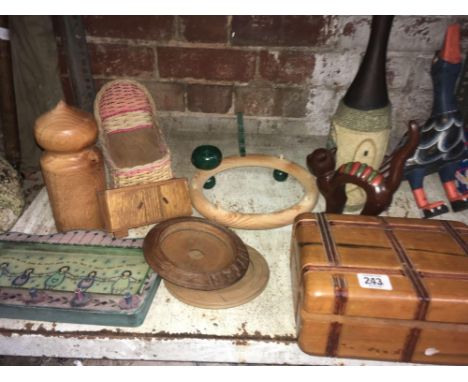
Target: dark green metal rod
[{"x": 241, "y": 133}]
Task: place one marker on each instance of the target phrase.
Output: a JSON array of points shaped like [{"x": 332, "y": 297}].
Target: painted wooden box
[
  {"x": 381, "y": 288},
  {"x": 84, "y": 277}
]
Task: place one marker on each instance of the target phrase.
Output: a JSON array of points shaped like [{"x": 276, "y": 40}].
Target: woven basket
[{"x": 125, "y": 108}]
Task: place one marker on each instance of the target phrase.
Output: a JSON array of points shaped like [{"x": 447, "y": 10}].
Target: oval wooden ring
[{"x": 254, "y": 221}]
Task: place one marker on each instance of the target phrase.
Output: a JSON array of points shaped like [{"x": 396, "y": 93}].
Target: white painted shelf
[{"x": 261, "y": 331}]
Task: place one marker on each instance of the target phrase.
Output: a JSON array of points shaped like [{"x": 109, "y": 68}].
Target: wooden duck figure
[
  {"x": 442, "y": 143},
  {"x": 360, "y": 127}
]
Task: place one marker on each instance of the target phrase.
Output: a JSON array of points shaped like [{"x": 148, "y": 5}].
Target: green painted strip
[
  {"x": 241, "y": 133},
  {"x": 348, "y": 167},
  {"x": 361, "y": 169},
  {"x": 372, "y": 176},
  {"x": 70, "y": 248}
]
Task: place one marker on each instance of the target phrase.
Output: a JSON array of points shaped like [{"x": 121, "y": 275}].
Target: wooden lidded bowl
[
  {"x": 246, "y": 289},
  {"x": 196, "y": 253}
]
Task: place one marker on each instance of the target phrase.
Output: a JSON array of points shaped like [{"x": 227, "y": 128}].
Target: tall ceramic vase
[{"x": 360, "y": 127}]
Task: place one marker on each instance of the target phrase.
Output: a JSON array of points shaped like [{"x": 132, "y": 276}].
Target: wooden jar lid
[
  {"x": 65, "y": 129},
  {"x": 196, "y": 253},
  {"x": 246, "y": 289}
]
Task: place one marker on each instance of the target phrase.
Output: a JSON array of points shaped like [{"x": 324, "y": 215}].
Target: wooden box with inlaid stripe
[{"x": 381, "y": 288}]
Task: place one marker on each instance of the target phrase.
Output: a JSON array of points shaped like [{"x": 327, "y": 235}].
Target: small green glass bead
[
  {"x": 210, "y": 183},
  {"x": 280, "y": 176},
  {"x": 206, "y": 157}
]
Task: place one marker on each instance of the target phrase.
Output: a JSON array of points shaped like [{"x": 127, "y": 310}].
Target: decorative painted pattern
[{"x": 363, "y": 171}]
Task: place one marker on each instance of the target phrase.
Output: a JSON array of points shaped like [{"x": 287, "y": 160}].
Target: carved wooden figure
[
  {"x": 379, "y": 186},
  {"x": 442, "y": 142}
]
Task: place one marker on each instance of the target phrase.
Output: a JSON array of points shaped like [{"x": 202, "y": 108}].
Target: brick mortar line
[
  {"x": 156, "y": 64},
  {"x": 167, "y": 113},
  {"x": 176, "y": 113},
  {"x": 332, "y": 48},
  {"x": 254, "y": 84},
  {"x": 257, "y": 76},
  {"x": 185, "y": 98},
  {"x": 195, "y": 81},
  {"x": 176, "y": 23},
  {"x": 229, "y": 30}
]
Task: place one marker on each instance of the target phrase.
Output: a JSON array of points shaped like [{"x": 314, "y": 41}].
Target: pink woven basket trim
[
  {"x": 123, "y": 88},
  {"x": 109, "y": 113},
  {"x": 121, "y": 98},
  {"x": 124, "y": 130},
  {"x": 112, "y": 95},
  {"x": 147, "y": 168}
]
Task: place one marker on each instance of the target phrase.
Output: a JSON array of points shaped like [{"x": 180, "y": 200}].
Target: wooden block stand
[{"x": 135, "y": 206}]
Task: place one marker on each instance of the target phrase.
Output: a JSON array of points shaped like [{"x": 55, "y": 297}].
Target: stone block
[
  {"x": 205, "y": 29},
  {"x": 209, "y": 98},
  {"x": 121, "y": 60},
  {"x": 286, "y": 66},
  {"x": 209, "y": 64},
  {"x": 154, "y": 28}
]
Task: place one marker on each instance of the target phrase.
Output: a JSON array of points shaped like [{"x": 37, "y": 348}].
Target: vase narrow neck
[{"x": 368, "y": 91}]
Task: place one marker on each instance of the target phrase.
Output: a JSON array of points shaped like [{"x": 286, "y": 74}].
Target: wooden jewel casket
[{"x": 381, "y": 288}]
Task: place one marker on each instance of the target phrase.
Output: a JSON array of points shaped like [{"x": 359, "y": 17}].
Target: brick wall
[{"x": 286, "y": 73}]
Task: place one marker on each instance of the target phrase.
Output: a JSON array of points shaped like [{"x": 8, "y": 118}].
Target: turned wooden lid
[
  {"x": 196, "y": 253},
  {"x": 65, "y": 129},
  {"x": 246, "y": 289}
]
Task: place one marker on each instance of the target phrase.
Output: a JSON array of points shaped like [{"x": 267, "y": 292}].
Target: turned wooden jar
[{"x": 72, "y": 167}]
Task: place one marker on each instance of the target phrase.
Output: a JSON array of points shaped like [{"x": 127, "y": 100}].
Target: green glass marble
[
  {"x": 206, "y": 157},
  {"x": 280, "y": 176},
  {"x": 210, "y": 183}
]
